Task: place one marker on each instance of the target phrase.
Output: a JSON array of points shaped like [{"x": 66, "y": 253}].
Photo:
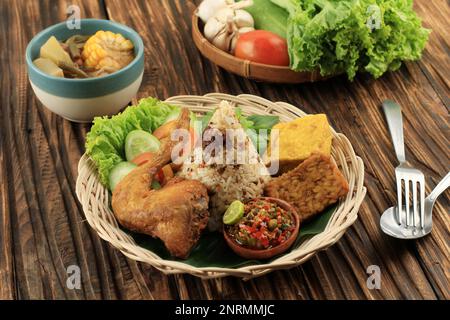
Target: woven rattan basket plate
[
  {"x": 95, "y": 198},
  {"x": 246, "y": 68}
]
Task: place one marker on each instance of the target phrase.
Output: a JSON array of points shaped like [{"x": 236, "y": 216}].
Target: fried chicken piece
[
  {"x": 311, "y": 187},
  {"x": 177, "y": 213}
]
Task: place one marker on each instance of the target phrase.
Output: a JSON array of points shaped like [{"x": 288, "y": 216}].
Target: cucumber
[
  {"x": 270, "y": 17},
  {"x": 174, "y": 115},
  {"x": 138, "y": 142},
  {"x": 119, "y": 172}
]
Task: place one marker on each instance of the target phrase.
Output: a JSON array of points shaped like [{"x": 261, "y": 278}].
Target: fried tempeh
[{"x": 312, "y": 186}]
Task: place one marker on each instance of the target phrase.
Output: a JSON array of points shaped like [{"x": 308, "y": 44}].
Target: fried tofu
[
  {"x": 297, "y": 140},
  {"x": 311, "y": 187}
]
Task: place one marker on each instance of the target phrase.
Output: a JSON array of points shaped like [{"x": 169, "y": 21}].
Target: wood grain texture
[{"x": 42, "y": 227}]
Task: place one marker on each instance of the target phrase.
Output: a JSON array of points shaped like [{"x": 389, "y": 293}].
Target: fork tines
[{"x": 410, "y": 179}]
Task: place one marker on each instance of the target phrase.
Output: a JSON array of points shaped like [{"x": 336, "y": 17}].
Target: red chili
[{"x": 260, "y": 228}]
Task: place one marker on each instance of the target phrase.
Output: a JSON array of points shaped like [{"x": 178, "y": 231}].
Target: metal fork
[{"x": 405, "y": 174}]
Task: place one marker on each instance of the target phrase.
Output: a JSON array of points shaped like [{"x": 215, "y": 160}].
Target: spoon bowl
[
  {"x": 390, "y": 226},
  {"x": 400, "y": 229}
]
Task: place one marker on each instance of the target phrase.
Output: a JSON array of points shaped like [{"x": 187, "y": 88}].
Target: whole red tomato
[{"x": 263, "y": 47}]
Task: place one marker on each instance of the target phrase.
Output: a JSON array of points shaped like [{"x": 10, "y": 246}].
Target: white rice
[{"x": 228, "y": 182}]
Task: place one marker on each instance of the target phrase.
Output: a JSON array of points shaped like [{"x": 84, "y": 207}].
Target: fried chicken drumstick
[{"x": 176, "y": 213}]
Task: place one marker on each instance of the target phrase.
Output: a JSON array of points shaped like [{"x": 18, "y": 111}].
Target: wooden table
[{"x": 42, "y": 226}]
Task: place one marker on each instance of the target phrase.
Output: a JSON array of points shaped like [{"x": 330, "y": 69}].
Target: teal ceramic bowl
[{"x": 81, "y": 100}]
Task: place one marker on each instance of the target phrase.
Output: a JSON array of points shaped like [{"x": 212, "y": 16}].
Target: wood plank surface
[{"x": 42, "y": 226}]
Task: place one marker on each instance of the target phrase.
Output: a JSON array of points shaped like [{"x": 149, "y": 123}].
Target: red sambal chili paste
[{"x": 264, "y": 225}]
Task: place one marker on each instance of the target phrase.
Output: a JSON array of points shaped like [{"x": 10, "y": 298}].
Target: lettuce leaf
[
  {"x": 105, "y": 141},
  {"x": 348, "y": 36}
]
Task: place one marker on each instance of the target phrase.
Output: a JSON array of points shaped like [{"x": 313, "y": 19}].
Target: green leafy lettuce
[
  {"x": 105, "y": 141},
  {"x": 347, "y": 36}
]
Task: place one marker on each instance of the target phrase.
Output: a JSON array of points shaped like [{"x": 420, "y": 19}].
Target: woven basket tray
[
  {"x": 95, "y": 198},
  {"x": 246, "y": 68}
]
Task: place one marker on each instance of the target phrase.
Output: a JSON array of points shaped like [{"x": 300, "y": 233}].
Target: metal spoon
[{"x": 390, "y": 225}]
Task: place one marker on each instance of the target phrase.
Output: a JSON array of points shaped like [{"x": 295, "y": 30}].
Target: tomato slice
[{"x": 143, "y": 158}]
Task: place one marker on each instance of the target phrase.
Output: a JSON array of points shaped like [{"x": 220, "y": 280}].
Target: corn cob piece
[{"x": 107, "y": 50}]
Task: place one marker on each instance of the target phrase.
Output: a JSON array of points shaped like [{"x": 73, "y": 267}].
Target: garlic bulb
[
  {"x": 224, "y": 28},
  {"x": 208, "y": 8}
]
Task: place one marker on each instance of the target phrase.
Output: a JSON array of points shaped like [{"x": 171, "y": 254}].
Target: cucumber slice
[
  {"x": 173, "y": 115},
  {"x": 138, "y": 142},
  {"x": 119, "y": 172}
]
